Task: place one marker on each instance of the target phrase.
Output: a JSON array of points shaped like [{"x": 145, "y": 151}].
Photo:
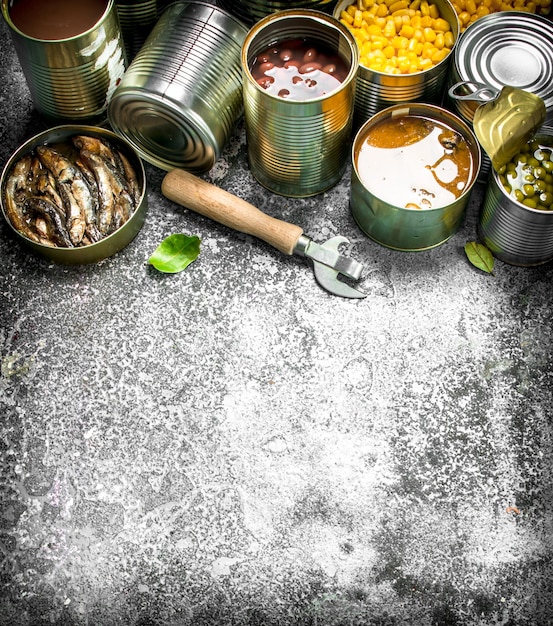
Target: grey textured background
[{"x": 234, "y": 446}]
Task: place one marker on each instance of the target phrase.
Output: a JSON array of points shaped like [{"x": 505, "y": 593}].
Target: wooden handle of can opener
[{"x": 223, "y": 207}]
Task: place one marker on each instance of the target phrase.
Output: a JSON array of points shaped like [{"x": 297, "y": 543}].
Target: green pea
[
  {"x": 540, "y": 154},
  {"x": 539, "y": 172},
  {"x": 528, "y": 190},
  {"x": 546, "y": 198},
  {"x": 529, "y": 178},
  {"x": 539, "y": 186},
  {"x": 530, "y": 203},
  {"x": 547, "y": 165},
  {"x": 502, "y": 170},
  {"x": 519, "y": 196},
  {"x": 521, "y": 158},
  {"x": 533, "y": 162}
]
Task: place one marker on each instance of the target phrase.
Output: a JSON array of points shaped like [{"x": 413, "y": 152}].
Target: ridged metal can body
[
  {"x": 255, "y": 10},
  {"x": 508, "y": 48},
  {"x": 299, "y": 148},
  {"x": 181, "y": 98},
  {"x": 377, "y": 90},
  {"x": 72, "y": 80},
  {"x": 410, "y": 229},
  {"x": 106, "y": 247},
  {"x": 137, "y": 18},
  {"x": 515, "y": 233}
]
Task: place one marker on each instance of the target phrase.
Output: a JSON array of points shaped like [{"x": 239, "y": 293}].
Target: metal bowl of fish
[{"x": 75, "y": 194}]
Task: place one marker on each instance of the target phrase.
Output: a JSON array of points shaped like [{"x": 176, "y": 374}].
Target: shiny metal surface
[
  {"x": 71, "y": 80},
  {"x": 402, "y": 228},
  {"x": 299, "y": 148},
  {"x": 181, "y": 97},
  {"x": 136, "y": 18},
  {"x": 376, "y": 91},
  {"x": 516, "y": 234},
  {"x": 254, "y": 10},
  {"x": 112, "y": 243}
]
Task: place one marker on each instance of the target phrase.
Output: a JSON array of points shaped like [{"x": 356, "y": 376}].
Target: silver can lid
[{"x": 509, "y": 48}]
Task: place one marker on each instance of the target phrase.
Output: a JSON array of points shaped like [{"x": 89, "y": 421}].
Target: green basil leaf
[
  {"x": 480, "y": 256},
  {"x": 175, "y": 253}
]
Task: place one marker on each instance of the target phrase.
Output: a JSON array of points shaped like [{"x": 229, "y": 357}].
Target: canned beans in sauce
[
  {"x": 414, "y": 162},
  {"x": 299, "y": 69}
]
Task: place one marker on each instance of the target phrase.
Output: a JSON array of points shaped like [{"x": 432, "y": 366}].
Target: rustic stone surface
[{"x": 234, "y": 446}]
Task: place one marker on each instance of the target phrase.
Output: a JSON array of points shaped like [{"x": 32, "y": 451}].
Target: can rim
[
  {"x": 319, "y": 16},
  {"x": 13, "y": 27}
]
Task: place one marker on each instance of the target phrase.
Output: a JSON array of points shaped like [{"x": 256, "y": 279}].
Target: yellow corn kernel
[
  {"x": 439, "y": 42},
  {"x": 398, "y": 5},
  {"x": 358, "y": 19},
  {"x": 433, "y": 11},
  {"x": 464, "y": 18},
  {"x": 389, "y": 30},
  {"x": 407, "y": 31},
  {"x": 449, "y": 39},
  {"x": 441, "y": 25},
  {"x": 426, "y": 21},
  {"x": 429, "y": 35},
  {"x": 382, "y": 10},
  {"x": 470, "y": 6},
  {"x": 389, "y": 52},
  {"x": 439, "y": 56}
]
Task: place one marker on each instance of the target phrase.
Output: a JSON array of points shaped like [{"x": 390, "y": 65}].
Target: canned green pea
[{"x": 516, "y": 217}]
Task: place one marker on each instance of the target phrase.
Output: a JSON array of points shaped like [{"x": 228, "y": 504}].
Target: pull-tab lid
[{"x": 506, "y": 121}]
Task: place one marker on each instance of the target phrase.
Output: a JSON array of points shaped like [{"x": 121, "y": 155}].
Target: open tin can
[
  {"x": 111, "y": 243},
  {"x": 299, "y": 147},
  {"x": 72, "y": 77},
  {"x": 377, "y": 90},
  {"x": 515, "y": 233},
  {"x": 377, "y": 184},
  {"x": 181, "y": 98}
]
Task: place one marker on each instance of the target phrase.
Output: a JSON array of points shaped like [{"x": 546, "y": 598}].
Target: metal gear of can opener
[
  {"x": 506, "y": 120},
  {"x": 202, "y": 197}
]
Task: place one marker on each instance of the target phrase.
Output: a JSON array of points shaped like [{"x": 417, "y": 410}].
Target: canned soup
[{"x": 414, "y": 162}]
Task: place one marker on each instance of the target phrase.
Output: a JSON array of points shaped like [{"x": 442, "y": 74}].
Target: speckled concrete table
[{"x": 234, "y": 446}]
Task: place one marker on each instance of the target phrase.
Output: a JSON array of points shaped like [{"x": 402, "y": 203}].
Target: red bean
[
  {"x": 285, "y": 55},
  {"x": 266, "y": 66},
  {"x": 289, "y": 64},
  {"x": 284, "y": 93},
  {"x": 265, "y": 81},
  {"x": 310, "y": 67},
  {"x": 310, "y": 55}
]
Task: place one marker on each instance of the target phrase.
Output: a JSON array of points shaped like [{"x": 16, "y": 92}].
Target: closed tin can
[
  {"x": 299, "y": 148},
  {"x": 378, "y": 90},
  {"x": 516, "y": 234},
  {"x": 181, "y": 98},
  {"x": 137, "y": 18},
  {"x": 71, "y": 79},
  {"x": 408, "y": 228},
  {"x": 255, "y": 10},
  {"x": 508, "y": 48}
]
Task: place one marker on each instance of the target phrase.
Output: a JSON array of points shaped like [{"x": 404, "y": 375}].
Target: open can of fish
[
  {"x": 79, "y": 201},
  {"x": 414, "y": 167},
  {"x": 508, "y": 48},
  {"x": 181, "y": 98},
  {"x": 299, "y": 147},
  {"x": 378, "y": 89},
  {"x": 252, "y": 11},
  {"x": 70, "y": 78},
  {"x": 515, "y": 233}
]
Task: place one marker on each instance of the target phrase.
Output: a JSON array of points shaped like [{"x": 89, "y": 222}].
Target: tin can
[
  {"x": 299, "y": 148},
  {"x": 508, "y": 48},
  {"x": 109, "y": 245},
  {"x": 513, "y": 232},
  {"x": 181, "y": 98},
  {"x": 137, "y": 18},
  {"x": 398, "y": 227},
  {"x": 72, "y": 79},
  {"x": 377, "y": 90},
  {"x": 255, "y": 10}
]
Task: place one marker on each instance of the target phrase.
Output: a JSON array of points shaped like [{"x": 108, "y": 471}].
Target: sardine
[
  {"x": 72, "y": 188},
  {"x": 46, "y": 213},
  {"x": 132, "y": 181},
  {"x": 15, "y": 194}
]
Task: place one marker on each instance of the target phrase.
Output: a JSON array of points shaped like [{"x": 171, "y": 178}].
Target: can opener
[{"x": 217, "y": 204}]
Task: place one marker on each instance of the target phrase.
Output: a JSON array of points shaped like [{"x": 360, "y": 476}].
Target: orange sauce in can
[{"x": 414, "y": 162}]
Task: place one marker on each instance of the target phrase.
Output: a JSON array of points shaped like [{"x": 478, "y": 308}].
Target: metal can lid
[{"x": 509, "y": 48}]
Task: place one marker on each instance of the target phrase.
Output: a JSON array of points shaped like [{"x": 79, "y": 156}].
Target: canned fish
[
  {"x": 255, "y": 10},
  {"x": 377, "y": 90},
  {"x": 181, "y": 98},
  {"x": 297, "y": 142},
  {"x": 72, "y": 55},
  {"x": 414, "y": 166},
  {"x": 509, "y": 48},
  {"x": 517, "y": 233}
]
